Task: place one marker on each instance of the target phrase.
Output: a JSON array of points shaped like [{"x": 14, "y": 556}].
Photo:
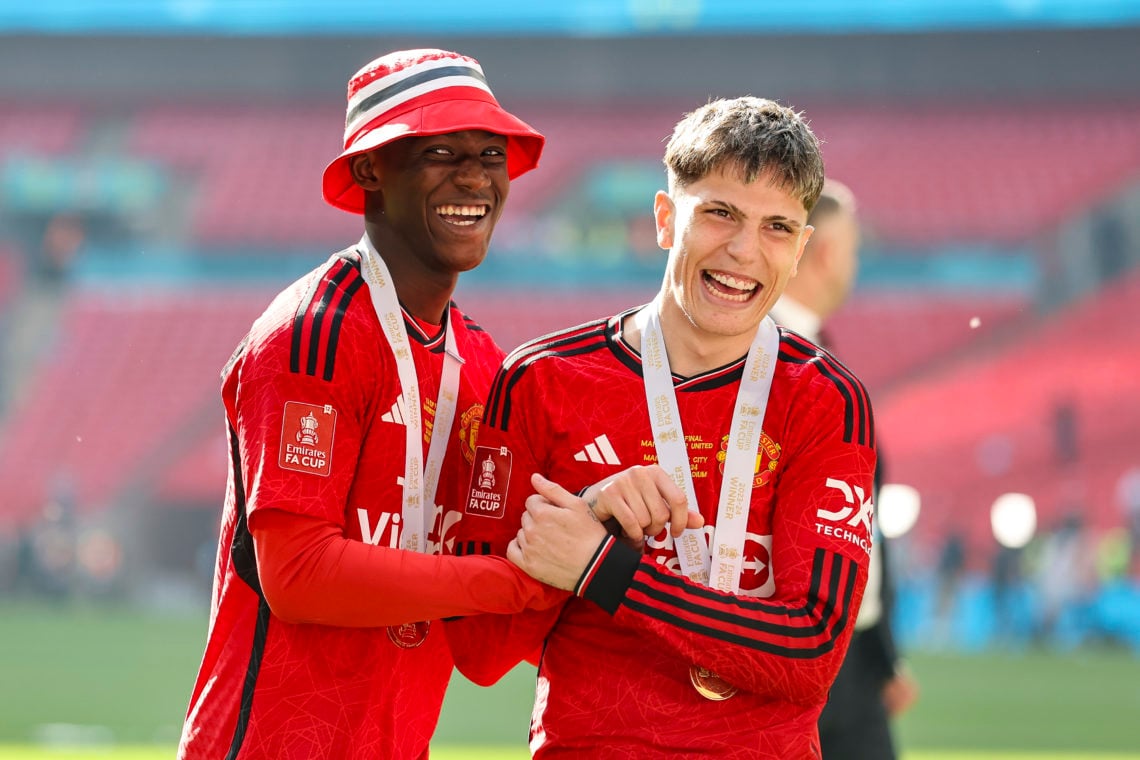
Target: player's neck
[
  {"x": 423, "y": 301},
  {"x": 424, "y": 292},
  {"x": 691, "y": 351}
]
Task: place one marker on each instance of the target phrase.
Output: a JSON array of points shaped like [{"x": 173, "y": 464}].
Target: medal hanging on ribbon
[
  {"x": 709, "y": 685},
  {"x": 409, "y": 635},
  {"x": 421, "y": 478},
  {"x": 719, "y": 567}
]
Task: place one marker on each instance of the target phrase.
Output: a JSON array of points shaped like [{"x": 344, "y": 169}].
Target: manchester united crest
[
  {"x": 469, "y": 430},
  {"x": 767, "y": 458}
]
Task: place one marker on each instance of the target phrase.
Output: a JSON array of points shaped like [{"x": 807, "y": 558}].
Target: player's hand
[
  {"x": 556, "y": 540},
  {"x": 643, "y": 499},
  {"x": 900, "y": 692}
]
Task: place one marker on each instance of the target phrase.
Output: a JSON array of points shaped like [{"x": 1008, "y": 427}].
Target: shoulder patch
[
  {"x": 490, "y": 480},
  {"x": 307, "y": 432}
]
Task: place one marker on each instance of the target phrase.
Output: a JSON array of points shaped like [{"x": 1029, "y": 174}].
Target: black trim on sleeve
[
  {"x": 609, "y": 574},
  {"x": 253, "y": 668},
  {"x": 241, "y": 545},
  {"x": 465, "y": 548}
]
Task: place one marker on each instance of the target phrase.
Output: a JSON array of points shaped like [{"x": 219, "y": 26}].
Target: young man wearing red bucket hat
[{"x": 329, "y": 570}]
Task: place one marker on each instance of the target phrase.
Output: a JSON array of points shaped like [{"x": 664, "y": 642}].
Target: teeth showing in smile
[
  {"x": 743, "y": 288},
  {"x": 461, "y": 215}
]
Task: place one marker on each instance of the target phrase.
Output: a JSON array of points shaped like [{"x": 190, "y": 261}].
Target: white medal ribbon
[
  {"x": 420, "y": 478},
  {"x": 720, "y": 568}
]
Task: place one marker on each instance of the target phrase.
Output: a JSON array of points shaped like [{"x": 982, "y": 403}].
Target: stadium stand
[
  {"x": 1026, "y": 166},
  {"x": 46, "y": 130},
  {"x": 12, "y": 274},
  {"x": 933, "y": 174},
  {"x": 257, "y": 170},
  {"x": 1052, "y": 414},
  {"x": 112, "y": 404},
  {"x": 922, "y": 330}
]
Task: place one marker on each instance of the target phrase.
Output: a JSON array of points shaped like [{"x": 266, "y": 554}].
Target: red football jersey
[
  {"x": 614, "y": 676},
  {"x": 316, "y": 427}
]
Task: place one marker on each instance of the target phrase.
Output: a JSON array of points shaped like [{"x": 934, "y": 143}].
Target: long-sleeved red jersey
[
  {"x": 614, "y": 677},
  {"x": 316, "y": 429}
]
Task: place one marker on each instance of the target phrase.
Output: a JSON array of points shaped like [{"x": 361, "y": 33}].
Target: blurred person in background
[
  {"x": 1128, "y": 501},
  {"x": 328, "y": 567},
  {"x": 874, "y": 684},
  {"x": 949, "y": 574},
  {"x": 1066, "y": 580},
  {"x": 720, "y": 643}
]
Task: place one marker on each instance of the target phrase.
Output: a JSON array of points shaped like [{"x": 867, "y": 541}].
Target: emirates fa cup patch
[
  {"x": 307, "y": 438},
  {"x": 490, "y": 476}
]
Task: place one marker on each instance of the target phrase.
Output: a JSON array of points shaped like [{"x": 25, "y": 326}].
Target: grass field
[{"x": 121, "y": 679}]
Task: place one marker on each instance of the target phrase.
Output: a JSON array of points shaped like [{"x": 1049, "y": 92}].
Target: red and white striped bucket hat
[{"x": 412, "y": 93}]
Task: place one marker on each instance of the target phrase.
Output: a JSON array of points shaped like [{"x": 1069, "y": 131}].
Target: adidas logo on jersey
[
  {"x": 396, "y": 413},
  {"x": 598, "y": 452}
]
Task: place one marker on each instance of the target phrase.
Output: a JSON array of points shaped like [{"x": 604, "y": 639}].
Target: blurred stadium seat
[
  {"x": 987, "y": 424},
  {"x": 925, "y": 175},
  {"x": 129, "y": 381}
]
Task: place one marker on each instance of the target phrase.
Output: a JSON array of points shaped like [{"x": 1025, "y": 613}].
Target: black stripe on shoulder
[
  {"x": 334, "y": 327},
  {"x": 468, "y": 322},
  {"x": 576, "y": 340},
  {"x": 308, "y": 323},
  {"x": 858, "y": 419},
  {"x": 318, "y": 311},
  {"x": 299, "y": 324}
]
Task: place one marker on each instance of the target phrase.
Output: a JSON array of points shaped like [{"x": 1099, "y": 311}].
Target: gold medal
[
  {"x": 709, "y": 685},
  {"x": 409, "y": 635}
]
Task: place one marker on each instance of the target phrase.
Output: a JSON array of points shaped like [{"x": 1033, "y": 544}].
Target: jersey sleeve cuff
[{"x": 609, "y": 574}]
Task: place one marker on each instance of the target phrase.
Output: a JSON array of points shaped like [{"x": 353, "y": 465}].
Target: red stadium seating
[
  {"x": 987, "y": 424},
  {"x": 257, "y": 170},
  {"x": 925, "y": 175},
  {"x": 11, "y": 275},
  {"x": 129, "y": 384},
  {"x": 921, "y": 330},
  {"x": 40, "y": 130}
]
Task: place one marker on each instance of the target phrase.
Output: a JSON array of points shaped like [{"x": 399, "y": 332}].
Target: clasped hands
[{"x": 560, "y": 532}]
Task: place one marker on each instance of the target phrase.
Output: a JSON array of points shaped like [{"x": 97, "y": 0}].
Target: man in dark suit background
[{"x": 874, "y": 685}]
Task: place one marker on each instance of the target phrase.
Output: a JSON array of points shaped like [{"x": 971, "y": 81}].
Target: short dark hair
[{"x": 753, "y": 135}]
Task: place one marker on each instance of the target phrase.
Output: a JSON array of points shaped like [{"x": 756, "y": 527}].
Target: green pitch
[{"x": 123, "y": 677}]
